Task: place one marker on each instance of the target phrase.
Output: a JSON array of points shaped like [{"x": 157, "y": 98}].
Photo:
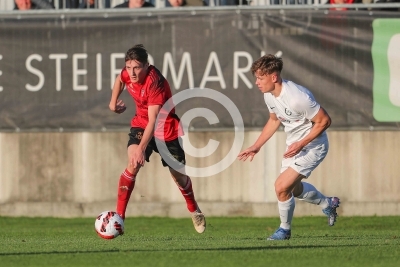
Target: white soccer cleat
[
  {"x": 199, "y": 221},
  {"x": 330, "y": 211}
]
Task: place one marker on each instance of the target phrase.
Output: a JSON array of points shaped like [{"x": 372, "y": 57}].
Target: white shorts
[{"x": 308, "y": 158}]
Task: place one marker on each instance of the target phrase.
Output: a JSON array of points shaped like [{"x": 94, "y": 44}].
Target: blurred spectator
[
  {"x": 84, "y": 4},
  {"x": 227, "y": 2},
  {"x": 234, "y": 2},
  {"x": 340, "y": 2},
  {"x": 266, "y": 2},
  {"x": 68, "y": 3},
  {"x": 32, "y": 4},
  {"x": 134, "y": 4},
  {"x": 178, "y": 3},
  {"x": 288, "y": 2}
]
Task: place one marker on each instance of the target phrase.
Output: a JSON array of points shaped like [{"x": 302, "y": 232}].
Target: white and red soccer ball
[{"x": 109, "y": 225}]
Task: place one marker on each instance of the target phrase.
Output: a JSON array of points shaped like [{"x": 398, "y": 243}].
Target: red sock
[
  {"x": 188, "y": 194},
  {"x": 125, "y": 187}
]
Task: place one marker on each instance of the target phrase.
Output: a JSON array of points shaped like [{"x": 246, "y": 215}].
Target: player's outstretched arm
[
  {"x": 269, "y": 129},
  {"x": 117, "y": 106}
]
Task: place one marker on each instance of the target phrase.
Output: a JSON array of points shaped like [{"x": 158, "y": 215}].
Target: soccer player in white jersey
[{"x": 305, "y": 122}]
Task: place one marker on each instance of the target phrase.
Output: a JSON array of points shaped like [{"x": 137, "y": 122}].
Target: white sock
[
  {"x": 286, "y": 210},
  {"x": 312, "y": 195}
]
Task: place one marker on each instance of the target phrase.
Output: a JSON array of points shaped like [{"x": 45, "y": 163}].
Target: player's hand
[
  {"x": 293, "y": 150},
  {"x": 248, "y": 153},
  {"x": 120, "y": 107},
  {"x": 138, "y": 159}
]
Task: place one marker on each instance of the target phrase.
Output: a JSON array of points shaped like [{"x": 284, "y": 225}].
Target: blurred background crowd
[{"x": 68, "y": 4}]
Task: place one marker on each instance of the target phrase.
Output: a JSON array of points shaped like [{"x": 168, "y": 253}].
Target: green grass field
[{"x": 353, "y": 241}]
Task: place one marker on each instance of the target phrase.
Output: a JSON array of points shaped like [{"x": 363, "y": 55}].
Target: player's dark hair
[
  {"x": 267, "y": 64},
  {"x": 138, "y": 53}
]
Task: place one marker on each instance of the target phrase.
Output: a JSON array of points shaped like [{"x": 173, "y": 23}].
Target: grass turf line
[{"x": 353, "y": 241}]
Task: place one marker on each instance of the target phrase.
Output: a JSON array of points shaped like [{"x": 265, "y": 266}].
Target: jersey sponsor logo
[{"x": 283, "y": 119}]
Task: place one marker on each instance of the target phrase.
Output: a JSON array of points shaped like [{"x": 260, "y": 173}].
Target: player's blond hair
[{"x": 267, "y": 64}]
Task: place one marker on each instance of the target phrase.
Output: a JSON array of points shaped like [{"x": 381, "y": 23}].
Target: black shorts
[{"x": 174, "y": 148}]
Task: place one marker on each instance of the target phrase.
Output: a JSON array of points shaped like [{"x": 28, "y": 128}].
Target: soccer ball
[{"x": 109, "y": 225}]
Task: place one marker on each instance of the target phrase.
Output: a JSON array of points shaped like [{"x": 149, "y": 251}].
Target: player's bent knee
[
  {"x": 279, "y": 187},
  {"x": 281, "y": 190}
]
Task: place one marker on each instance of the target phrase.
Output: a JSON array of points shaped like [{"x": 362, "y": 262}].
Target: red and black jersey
[{"x": 154, "y": 90}]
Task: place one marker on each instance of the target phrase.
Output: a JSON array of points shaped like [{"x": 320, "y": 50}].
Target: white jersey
[{"x": 294, "y": 107}]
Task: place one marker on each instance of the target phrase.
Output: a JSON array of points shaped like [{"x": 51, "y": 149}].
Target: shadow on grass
[{"x": 186, "y": 249}]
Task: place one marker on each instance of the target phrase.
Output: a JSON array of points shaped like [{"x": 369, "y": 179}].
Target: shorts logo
[
  {"x": 139, "y": 135},
  {"x": 174, "y": 158},
  {"x": 179, "y": 160}
]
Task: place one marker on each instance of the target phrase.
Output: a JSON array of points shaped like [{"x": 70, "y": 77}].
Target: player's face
[
  {"x": 137, "y": 71},
  {"x": 265, "y": 82}
]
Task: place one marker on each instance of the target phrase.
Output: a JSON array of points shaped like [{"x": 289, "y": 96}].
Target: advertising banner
[
  {"x": 57, "y": 71},
  {"x": 386, "y": 57}
]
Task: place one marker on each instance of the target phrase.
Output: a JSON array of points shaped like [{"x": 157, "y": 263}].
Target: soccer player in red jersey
[{"x": 150, "y": 91}]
